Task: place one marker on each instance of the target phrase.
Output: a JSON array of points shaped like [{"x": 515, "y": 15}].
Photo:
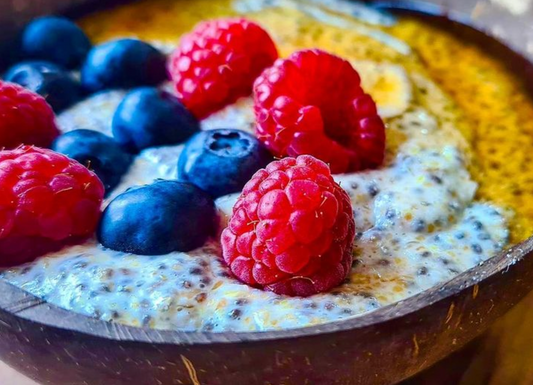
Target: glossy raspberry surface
[
  {"x": 292, "y": 229},
  {"x": 218, "y": 62},
  {"x": 46, "y": 201},
  {"x": 25, "y": 118},
  {"x": 312, "y": 103}
]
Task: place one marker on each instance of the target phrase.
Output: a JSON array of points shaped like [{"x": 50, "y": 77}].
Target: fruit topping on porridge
[
  {"x": 292, "y": 229},
  {"x": 217, "y": 63},
  {"x": 312, "y": 103},
  {"x": 204, "y": 183}
]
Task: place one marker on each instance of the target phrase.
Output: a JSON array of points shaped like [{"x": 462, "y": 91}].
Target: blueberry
[
  {"x": 123, "y": 63},
  {"x": 57, "y": 86},
  {"x": 157, "y": 219},
  {"x": 221, "y": 161},
  {"x": 98, "y": 151},
  {"x": 149, "y": 117},
  {"x": 57, "y": 40}
]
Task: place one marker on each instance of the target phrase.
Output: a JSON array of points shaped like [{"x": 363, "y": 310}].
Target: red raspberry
[
  {"x": 25, "y": 118},
  {"x": 46, "y": 201},
  {"x": 218, "y": 62},
  {"x": 312, "y": 103},
  {"x": 292, "y": 229}
]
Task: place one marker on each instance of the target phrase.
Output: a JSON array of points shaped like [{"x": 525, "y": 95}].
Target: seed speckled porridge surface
[{"x": 418, "y": 217}]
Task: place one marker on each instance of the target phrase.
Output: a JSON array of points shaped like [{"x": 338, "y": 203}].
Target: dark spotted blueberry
[
  {"x": 96, "y": 151},
  {"x": 55, "y": 39},
  {"x": 157, "y": 219},
  {"x": 55, "y": 85},
  {"x": 222, "y": 161},
  {"x": 123, "y": 63},
  {"x": 149, "y": 117}
]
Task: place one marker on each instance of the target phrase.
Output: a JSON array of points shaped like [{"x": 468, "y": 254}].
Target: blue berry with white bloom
[
  {"x": 149, "y": 117},
  {"x": 98, "y": 152},
  {"x": 222, "y": 161},
  {"x": 55, "y": 85},
  {"x": 157, "y": 219},
  {"x": 55, "y": 39},
  {"x": 123, "y": 63}
]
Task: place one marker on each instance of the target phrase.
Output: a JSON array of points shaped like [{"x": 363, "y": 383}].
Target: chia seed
[
  {"x": 477, "y": 248},
  {"x": 80, "y": 265},
  {"x": 195, "y": 271},
  {"x": 419, "y": 225},
  {"x": 483, "y": 236},
  {"x": 390, "y": 214},
  {"x": 426, "y": 254},
  {"x": 235, "y": 313},
  {"x": 373, "y": 190},
  {"x": 146, "y": 320},
  {"x": 435, "y": 178},
  {"x": 477, "y": 225}
]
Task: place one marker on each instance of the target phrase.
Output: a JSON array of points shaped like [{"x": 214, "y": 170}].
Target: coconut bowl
[{"x": 55, "y": 346}]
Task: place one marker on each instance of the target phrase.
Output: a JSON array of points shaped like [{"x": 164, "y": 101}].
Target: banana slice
[{"x": 388, "y": 84}]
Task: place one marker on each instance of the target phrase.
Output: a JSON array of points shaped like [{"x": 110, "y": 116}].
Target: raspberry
[
  {"x": 217, "y": 63},
  {"x": 25, "y": 118},
  {"x": 292, "y": 229},
  {"x": 46, "y": 201},
  {"x": 312, "y": 103}
]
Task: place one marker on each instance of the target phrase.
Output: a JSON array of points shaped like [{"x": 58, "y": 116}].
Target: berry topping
[
  {"x": 123, "y": 63},
  {"x": 25, "y": 118},
  {"x": 57, "y": 40},
  {"x": 46, "y": 201},
  {"x": 221, "y": 161},
  {"x": 292, "y": 229},
  {"x": 218, "y": 62},
  {"x": 55, "y": 85},
  {"x": 312, "y": 103},
  {"x": 149, "y": 117},
  {"x": 160, "y": 218},
  {"x": 98, "y": 152}
]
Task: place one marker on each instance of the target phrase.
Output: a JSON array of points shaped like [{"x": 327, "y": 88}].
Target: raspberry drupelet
[
  {"x": 25, "y": 118},
  {"x": 46, "y": 201},
  {"x": 292, "y": 229},
  {"x": 217, "y": 63},
  {"x": 312, "y": 103}
]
